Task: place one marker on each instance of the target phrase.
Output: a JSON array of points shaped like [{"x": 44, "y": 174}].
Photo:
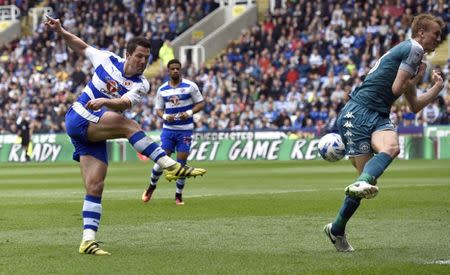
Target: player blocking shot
[
  {"x": 176, "y": 102},
  {"x": 116, "y": 85},
  {"x": 370, "y": 137}
]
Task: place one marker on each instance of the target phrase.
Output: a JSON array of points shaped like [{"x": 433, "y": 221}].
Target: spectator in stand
[{"x": 431, "y": 113}]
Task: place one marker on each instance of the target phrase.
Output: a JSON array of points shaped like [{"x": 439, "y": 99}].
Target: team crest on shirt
[
  {"x": 175, "y": 100},
  {"x": 112, "y": 87},
  {"x": 127, "y": 83}
]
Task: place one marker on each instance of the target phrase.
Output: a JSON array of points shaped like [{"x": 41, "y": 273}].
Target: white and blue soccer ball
[{"x": 331, "y": 147}]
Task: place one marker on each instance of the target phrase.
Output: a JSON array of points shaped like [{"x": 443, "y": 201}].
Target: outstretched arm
[
  {"x": 73, "y": 41},
  {"x": 418, "y": 103}
]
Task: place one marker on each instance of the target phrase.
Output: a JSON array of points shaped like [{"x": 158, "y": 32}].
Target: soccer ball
[{"x": 331, "y": 147}]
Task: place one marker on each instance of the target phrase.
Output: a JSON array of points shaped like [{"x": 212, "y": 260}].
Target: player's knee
[
  {"x": 130, "y": 127},
  {"x": 393, "y": 150},
  {"x": 94, "y": 186}
]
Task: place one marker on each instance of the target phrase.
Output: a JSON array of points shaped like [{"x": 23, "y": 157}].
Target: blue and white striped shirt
[
  {"x": 174, "y": 100},
  {"x": 109, "y": 80}
]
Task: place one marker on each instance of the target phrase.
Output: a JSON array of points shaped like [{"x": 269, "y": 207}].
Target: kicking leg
[
  {"x": 386, "y": 144},
  {"x": 113, "y": 125}
]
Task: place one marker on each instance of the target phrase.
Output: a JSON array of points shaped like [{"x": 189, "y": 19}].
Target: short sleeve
[
  {"x": 195, "y": 93},
  {"x": 96, "y": 56},
  {"x": 412, "y": 59},
  {"x": 159, "y": 101},
  {"x": 136, "y": 94}
]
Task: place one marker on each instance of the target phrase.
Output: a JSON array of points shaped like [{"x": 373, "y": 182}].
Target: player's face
[
  {"x": 431, "y": 37},
  {"x": 138, "y": 60},
  {"x": 174, "y": 71}
]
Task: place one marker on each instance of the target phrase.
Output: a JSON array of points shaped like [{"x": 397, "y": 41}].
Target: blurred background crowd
[{"x": 293, "y": 71}]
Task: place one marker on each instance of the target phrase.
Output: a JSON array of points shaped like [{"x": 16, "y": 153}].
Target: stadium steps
[
  {"x": 263, "y": 8},
  {"x": 442, "y": 53}
]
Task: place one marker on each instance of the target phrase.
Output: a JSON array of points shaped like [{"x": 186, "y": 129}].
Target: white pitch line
[
  {"x": 136, "y": 192},
  {"x": 440, "y": 262}
]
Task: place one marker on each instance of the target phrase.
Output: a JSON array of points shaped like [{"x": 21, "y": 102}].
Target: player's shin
[
  {"x": 92, "y": 211},
  {"x": 180, "y": 185},
  {"x": 345, "y": 213},
  {"x": 156, "y": 174},
  {"x": 146, "y": 146},
  {"x": 375, "y": 167}
]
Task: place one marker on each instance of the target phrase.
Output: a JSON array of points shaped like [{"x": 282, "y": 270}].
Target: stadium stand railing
[
  {"x": 218, "y": 29},
  {"x": 211, "y": 34}
]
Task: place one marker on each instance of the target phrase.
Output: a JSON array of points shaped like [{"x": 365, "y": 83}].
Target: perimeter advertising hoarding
[{"x": 211, "y": 146}]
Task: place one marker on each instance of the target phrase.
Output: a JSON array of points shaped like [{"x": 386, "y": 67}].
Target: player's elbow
[
  {"x": 124, "y": 106},
  {"x": 200, "y": 106},
  {"x": 124, "y": 103},
  {"x": 396, "y": 89},
  {"x": 415, "y": 109}
]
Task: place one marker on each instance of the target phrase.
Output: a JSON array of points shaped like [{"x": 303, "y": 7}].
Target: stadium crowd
[{"x": 293, "y": 71}]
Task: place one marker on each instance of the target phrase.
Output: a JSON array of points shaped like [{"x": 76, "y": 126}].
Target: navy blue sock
[
  {"x": 345, "y": 213},
  {"x": 375, "y": 167},
  {"x": 182, "y": 161},
  {"x": 181, "y": 181}
]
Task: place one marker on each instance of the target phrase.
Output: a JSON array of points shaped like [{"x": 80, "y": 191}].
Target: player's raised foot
[
  {"x": 93, "y": 248},
  {"x": 147, "y": 195},
  {"x": 340, "y": 242},
  {"x": 179, "y": 199},
  {"x": 178, "y": 171},
  {"x": 361, "y": 189}
]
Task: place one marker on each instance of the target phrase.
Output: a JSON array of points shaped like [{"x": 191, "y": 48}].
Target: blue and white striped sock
[
  {"x": 181, "y": 181},
  {"x": 146, "y": 146},
  {"x": 92, "y": 212},
  {"x": 180, "y": 185},
  {"x": 156, "y": 173}
]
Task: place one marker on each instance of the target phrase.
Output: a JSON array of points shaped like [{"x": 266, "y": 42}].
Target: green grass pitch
[{"x": 241, "y": 218}]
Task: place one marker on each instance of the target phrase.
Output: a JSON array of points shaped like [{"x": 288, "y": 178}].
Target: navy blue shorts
[
  {"x": 176, "y": 140},
  {"x": 356, "y": 125},
  {"x": 77, "y": 122}
]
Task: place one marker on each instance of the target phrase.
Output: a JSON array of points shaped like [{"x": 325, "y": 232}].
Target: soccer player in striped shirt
[
  {"x": 176, "y": 102},
  {"x": 116, "y": 85}
]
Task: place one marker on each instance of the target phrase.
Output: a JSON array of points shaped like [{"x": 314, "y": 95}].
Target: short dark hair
[
  {"x": 173, "y": 61},
  {"x": 137, "y": 41}
]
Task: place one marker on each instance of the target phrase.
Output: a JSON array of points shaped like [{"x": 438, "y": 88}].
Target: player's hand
[
  {"x": 438, "y": 78},
  {"x": 53, "y": 24},
  {"x": 183, "y": 116},
  {"x": 169, "y": 118},
  {"x": 421, "y": 71},
  {"x": 96, "y": 104}
]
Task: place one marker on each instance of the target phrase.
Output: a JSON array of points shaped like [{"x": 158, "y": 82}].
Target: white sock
[
  {"x": 88, "y": 235},
  {"x": 165, "y": 162}
]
